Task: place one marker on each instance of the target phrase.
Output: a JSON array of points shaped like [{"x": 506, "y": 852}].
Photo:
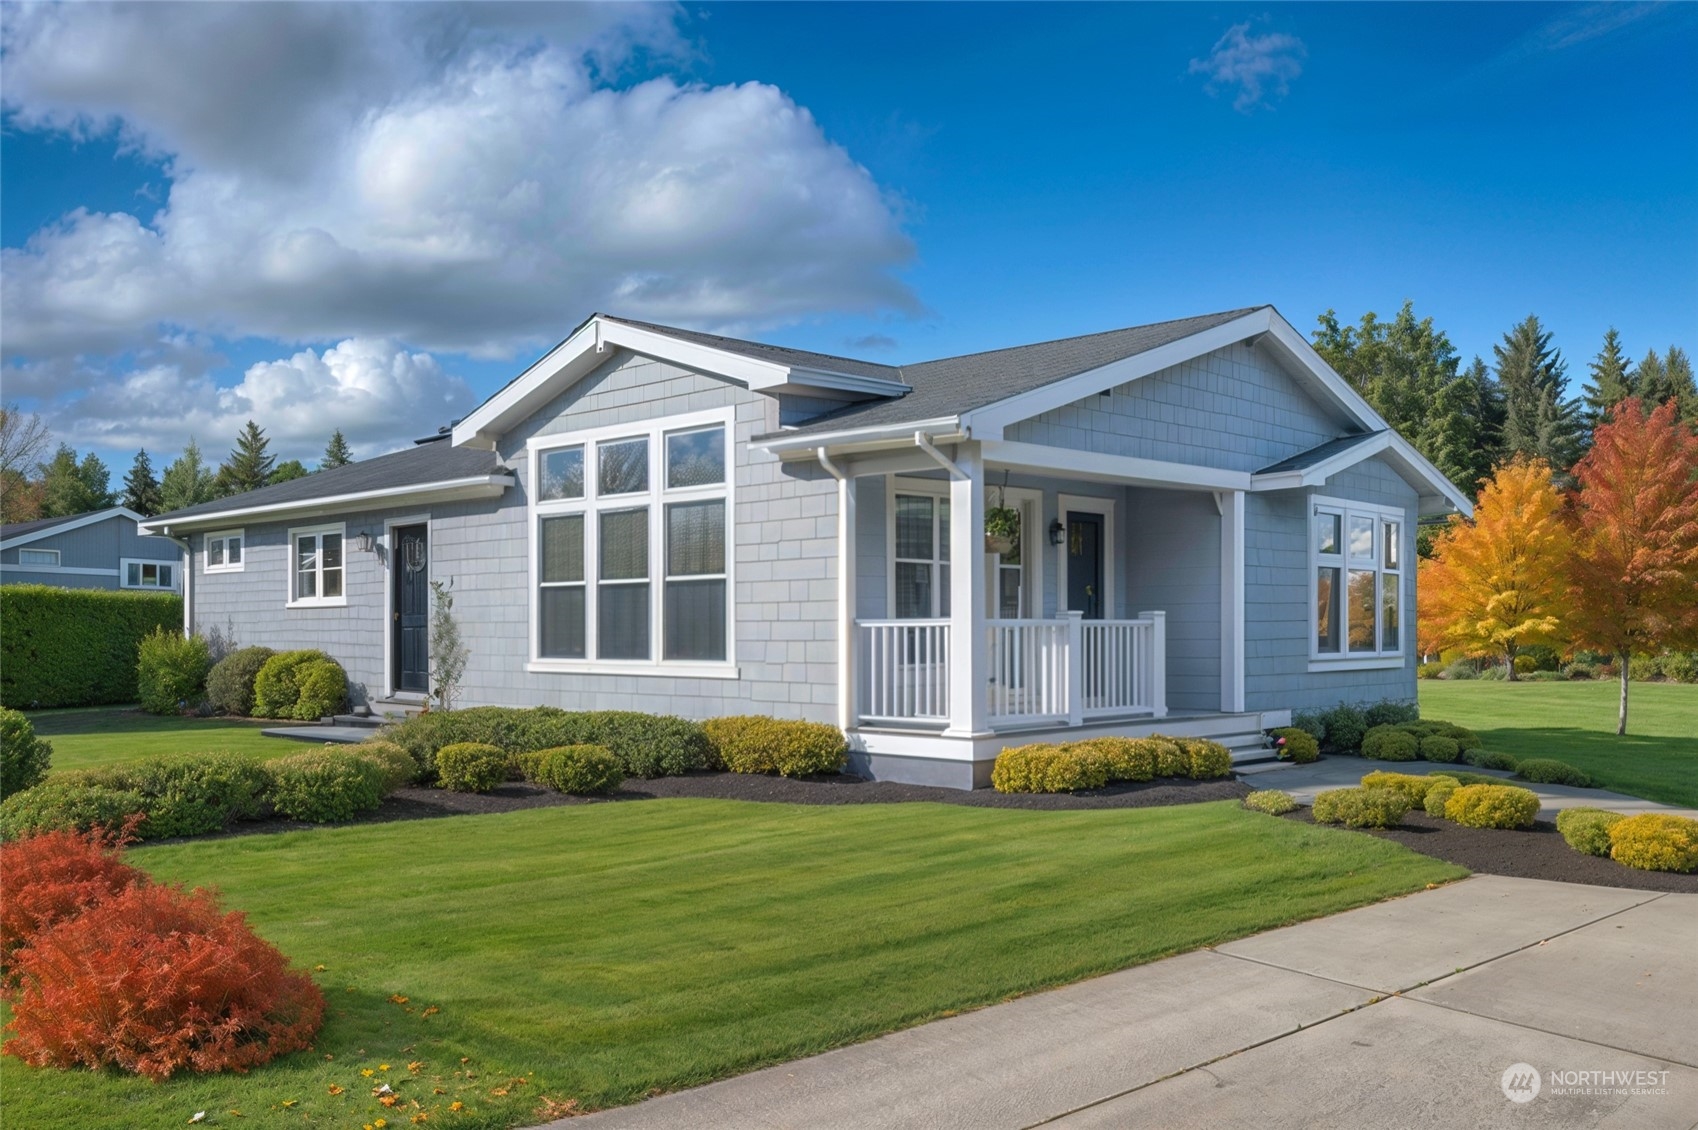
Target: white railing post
[
  {"x": 1075, "y": 667},
  {"x": 1158, "y": 661}
]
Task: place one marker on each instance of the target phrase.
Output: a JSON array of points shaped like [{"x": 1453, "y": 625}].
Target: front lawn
[
  {"x": 107, "y": 735},
  {"x": 1575, "y": 722},
  {"x": 593, "y": 954}
]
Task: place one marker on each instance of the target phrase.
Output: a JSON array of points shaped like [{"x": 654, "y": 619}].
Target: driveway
[{"x": 1403, "y": 1014}]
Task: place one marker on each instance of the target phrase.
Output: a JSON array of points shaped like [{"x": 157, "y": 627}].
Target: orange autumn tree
[
  {"x": 1635, "y": 570},
  {"x": 1499, "y": 584}
]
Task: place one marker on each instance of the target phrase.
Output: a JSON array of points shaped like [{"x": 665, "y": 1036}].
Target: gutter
[
  {"x": 477, "y": 486},
  {"x": 881, "y": 434}
]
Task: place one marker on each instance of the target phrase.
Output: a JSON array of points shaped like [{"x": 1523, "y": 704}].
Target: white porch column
[
  {"x": 967, "y": 662},
  {"x": 1158, "y": 661},
  {"x": 847, "y": 690},
  {"x": 1231, "y": 600}
]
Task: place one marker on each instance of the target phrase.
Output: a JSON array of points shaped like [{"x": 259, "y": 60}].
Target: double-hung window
[
  {"x": 920, "y": 580},
  {"x": 224, "y": 552},
  {"x": 1356, "y": 551},
  {"x": 137, "y": 574},
  {"x": 631, "y": 531},
  {"x": 316, "y": 566}
]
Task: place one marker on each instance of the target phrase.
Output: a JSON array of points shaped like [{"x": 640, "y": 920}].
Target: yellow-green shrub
[
  {"x": 753, "y": 743},
  {"x": 1413, "y": 785},
  {"x": 1205, "y": 760},
  {"x": 1299, "y": 745},
  {"x": 1271, "y": 801},
  {"x": 1437, "y": 747},
  {"x": 1046, "y": 768},
  {"x": 322, "y": 785},
  {"x": 582, "y": 770},
  {"x": 1438, "y": 794},
  {"x": 399, "y": 768},
  {"x": 1171, "y": 758},
  {"x": 1492, "y": 806},
  {"x": 1361, "y": 808},
  {"x": 1588, "y": 829},
  {"x": 470, "y": 767},
  {"x": 1655, "y": 841},
  {"x": 1125, "y": 759}
]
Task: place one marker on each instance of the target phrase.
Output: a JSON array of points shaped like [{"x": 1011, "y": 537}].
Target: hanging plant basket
[{"x": 1002, "y": 529}]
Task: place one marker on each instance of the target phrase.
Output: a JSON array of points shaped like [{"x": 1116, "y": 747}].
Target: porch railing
[{"x": 1061, "y": 671}]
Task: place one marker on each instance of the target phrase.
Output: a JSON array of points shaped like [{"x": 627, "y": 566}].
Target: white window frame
[
  {"x": 296, "y": 533},
  {"x": 938, "y": 489},
  {"x": 1088, "y": 504},
  {"x": 1344, "y": 659},
  {"x": 223, "y": 536},
  {"x": 655, "y": 499},
  {"x": 124, "y": 564},
  {"x": 53, "y": 558},
  {"x": 1033, "y": 545}
]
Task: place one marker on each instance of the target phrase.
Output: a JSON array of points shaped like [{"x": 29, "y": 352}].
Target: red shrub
[
  {"x": 53, "y": 876},
  {"x": 154, "y": 980}
]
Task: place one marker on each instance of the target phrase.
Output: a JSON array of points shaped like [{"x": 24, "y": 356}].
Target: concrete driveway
[{"x": 1409, "y": 1013}]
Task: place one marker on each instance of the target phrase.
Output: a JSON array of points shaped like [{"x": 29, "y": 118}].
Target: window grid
[
  {"x": 148, "y": 574},
  {"x": 1357, "y": 577},
  {"x": 920, "y": 558},
  {"x": 224, "y": 552},
  {"x": 49, "y": 557},
  {"x": 317, "y": 566}
]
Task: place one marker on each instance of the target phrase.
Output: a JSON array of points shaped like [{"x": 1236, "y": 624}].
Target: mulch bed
[{"x": 1536, "y": 853}]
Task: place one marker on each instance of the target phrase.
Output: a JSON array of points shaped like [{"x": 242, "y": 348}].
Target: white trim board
[
  {"x": 389, "y": 524},
  {"x": 446, "y": 490},
  {"x": 1112, "y": 558},
  {"x": 76, "y": 523}
]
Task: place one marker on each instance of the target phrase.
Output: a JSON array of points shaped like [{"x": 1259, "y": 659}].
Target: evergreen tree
[
  {"x": 187, "y": 481},
  {"x": 1657, "y": 380},
  {"x": 289, "y": 469},
  {"x": 250, "y": 463},
  {"x": 71, "y": 487},
  {"x": 1537, "y": 421},
  {"x": 336, "y": 452},
  {"x": 1611, "y": 382},
  {"x": 141, "y": 489}
]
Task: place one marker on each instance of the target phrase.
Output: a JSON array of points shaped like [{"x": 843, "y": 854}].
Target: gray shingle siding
[{"x": 99, "y": 545}]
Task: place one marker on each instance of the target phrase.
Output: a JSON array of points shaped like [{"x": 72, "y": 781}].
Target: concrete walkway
[
  {"x": 1338, "y": 772},
  {"x": 1402, "y": 1014}
]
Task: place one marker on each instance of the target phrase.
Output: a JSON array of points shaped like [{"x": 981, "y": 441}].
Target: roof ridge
[
  {"x": 1237, "y": 312},
  {"x": 750, "y": 342}
]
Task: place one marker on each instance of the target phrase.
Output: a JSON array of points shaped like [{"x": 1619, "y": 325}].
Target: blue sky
[{"x": 411, "y": 224}]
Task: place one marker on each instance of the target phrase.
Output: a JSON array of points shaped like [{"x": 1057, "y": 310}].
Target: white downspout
[
  {"x": 924, "y": 443},
  {"x": 187, "y": 545},
  {"x": 846, "y": 629}
]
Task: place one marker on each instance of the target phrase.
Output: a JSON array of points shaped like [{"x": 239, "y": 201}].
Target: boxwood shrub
[
  {"x": 188, "y": 794},
  {"x": 71, "y": 805},
  {"x": 1492, "y": 806},
  {"x": 399, "y": 768},
  {"x": 1481, "y": 759},
  {"x": 1652, "y": 841},
  {"x": 1390, "y": 712},
  {"x": 1297, "y": 744},
  {"x": 1171, "y": 758},
  {"x": 24, "y": 758},
  {"x": 1205, "y": 760},
  {"x": 1437, "y": 747},
  {"x": 1345, "y": 727},
  {"x": 304, "y": 684},
  {"x": 171, "y": 671},
  {"x": 324, "y": 785},
  {"x": 1125, "y": 759},
  {"x": 1388, "y": 743},
  {"x": 582, "y": 770},
  {"x": 752, "y": 743},
  {"x": 75, "y": 647},
  {"x": 1587, "y": 829},
  {"x": 647, "y": 745},
  {"x": 470, "y": 767},
  {"x": 1271, "y": 801},
  {"x": 1548, "y": 771},
  {"x": 1047, "y": 768},
  {"x": 1413, "y": 785},
  {"x": 1438, "y": 794},
  {"x": 1361, "y": 808},
  {"x": 230, "y": 683}
]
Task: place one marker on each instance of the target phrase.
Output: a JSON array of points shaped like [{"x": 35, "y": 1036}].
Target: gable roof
[
  {"x": 1319, "y": 454},
  {"x": 22, "y": 533},
  {"x": 433, "y": 468},
  {"x": 777, "y": 354}
]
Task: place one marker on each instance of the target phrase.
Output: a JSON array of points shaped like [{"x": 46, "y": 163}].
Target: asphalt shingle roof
[
  {"x": 1303, "y": 460},
  {"x": 18, "y": 529},
  {"x": 425, "y": 463},
  {"x": 777, "y": 354}
]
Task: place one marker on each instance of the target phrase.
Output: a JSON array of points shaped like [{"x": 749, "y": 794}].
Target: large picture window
[
  {"x": 316, "y": 566},
  {"x": 138, "y": 574},
  {"x": 632, "y": 558},
  {"x": 1356, "y": 552}
]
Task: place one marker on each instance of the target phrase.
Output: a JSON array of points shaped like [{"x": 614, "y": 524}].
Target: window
[
  {"x": 632, "y": 564},
  {"x": 921, "y": 581},
  {"x": 316, "y": 566},
  {"x": 224, "y": 552},
  {"x": 1358, "y": 589},
  {"x": 136, "y": 574},
  {"x": 47, "y": 557}
]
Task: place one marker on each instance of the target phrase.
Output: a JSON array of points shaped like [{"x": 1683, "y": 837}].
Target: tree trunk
[
  {"x": 1621, "y": 719},
  {"x": 1509, "y": 664}
]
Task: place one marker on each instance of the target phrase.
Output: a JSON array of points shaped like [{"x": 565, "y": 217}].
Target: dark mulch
[{"x": 1536, "y": 853}]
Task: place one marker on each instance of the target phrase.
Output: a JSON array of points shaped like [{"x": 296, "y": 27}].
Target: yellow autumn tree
[{"x": 1499, "y": 583}]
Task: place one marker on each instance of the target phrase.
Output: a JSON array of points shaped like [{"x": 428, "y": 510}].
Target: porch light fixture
[
  {"x": 1057, "y": 532},
  {"x": 362, "y": 542}
]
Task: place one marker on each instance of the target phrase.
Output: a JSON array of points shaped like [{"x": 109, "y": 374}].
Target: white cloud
[
  {"x": 1258, "y": 65},
  {"x": 458, "y": 178},
  {"x": 376, "y": 392}
]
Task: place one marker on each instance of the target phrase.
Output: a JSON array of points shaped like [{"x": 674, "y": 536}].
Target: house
[
  {"x": 102, "y": 550},
  {"x": 1202, "y": 527}
]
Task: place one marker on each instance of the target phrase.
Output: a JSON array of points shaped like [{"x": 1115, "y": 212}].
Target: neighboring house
[
  {"x": 101, "y": 550},
  {"x": 1215, "y": 529}
]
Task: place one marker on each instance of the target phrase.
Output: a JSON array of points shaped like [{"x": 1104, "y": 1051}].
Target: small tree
[
  {"x": 141, "y": 489},
  {"x": 71, "y": 487},
  {"x": 448, "y": 652},
  {"x": 1499, "y": 583},
  {"x": 1635, "y": 572},
  {"x": 287, "y": 470},
  {"x": 336, "y": 452},
  {"x": 250, "y": 463}
]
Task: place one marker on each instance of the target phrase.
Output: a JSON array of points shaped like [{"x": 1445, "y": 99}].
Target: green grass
[
  {"x": 603, "y": 951},
  {"x": 107, "y": 735},
  {"x": 1575, "y": 722}
]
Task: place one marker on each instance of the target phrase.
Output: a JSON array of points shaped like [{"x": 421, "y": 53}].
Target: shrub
[
  {"x": 1474, "y": 778},
  {"x": 1492, "y": 806},
  {"x": 1205, "y": 760},
  {"x": 230, "y": 683},
  {"x": 1581, "y": 670},
  {"x": 189, "y": 794},
  {"x": 1346, "y": 726},
  {"x": 1271, "y": 801},
  {"x": 647, "y": 745},
  {"x": 1388, "y": 743},
  {"x": 1525, "y": 665},
  {"x": 1434, "y": 670},
  {"x": 1548, "y": 771},
  {"x": 279, "y": 686},
  {"x": 1545, "y": 677},
  {"x": 1461, "y": 669},
  {"x": 171, "y": 671},
  {"x": 323, "y": 785},
  {"x": 54, "y": 876},
  {"x": 75, "y": 647},
  {"x": 1437, "y": 747},
  {"x": 1415, "y": 786},
  {"x": 1311, "y": 722},
  {"x": 1681, "y": 666},
  {"x": 1390, "y": 712},
  {"x": 1480, "y": 759},
  {"x": 470, "y": 767},
  {"x": 1642, "y": 669},
  {"x": 751, "y": 743},
  {"x": 1298, "y": 745},
  {"x": 1438, "y": 795},
  {"x": 1046, "y": 768},
  {"x": 155, "y": 980},
  {"x": 399, "y": 768},
  {"x": 583, "y": 770},
  {"x": 1492, "y": 674},
  {"x": 1125, "y": 759},
  {"x": 68, "y": 805},
  {"x": 1655, "y": 841},
  {"x": 423, "y": 734},
  {"x": 1171, "y": 758},
  {"x": 24, "y": 758},
  {"x": 1361, "y": 808},
  {"x": 1587, "y": 829}
]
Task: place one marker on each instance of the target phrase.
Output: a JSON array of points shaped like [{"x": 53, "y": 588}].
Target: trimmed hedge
[
  {"x": 1437, "y": 747},
  {"x": 24, "y": 758},
  {"x": 1655, "y": 841},
  {"x": 67, "y": 805},
  {"x": 470, "y": 767},
  {"x": 1480, "y": 759},
  {"x": 1297, "y": 744},
  {"x": 1205, "y": 760},
  {"x": 1361, "y": 808},
  {"x": 1388, "y": 743},
  {"x": 1438, "y": 794},
  {"x": 324, "y": 785},
  {"x": 188, "y": 794},
  {"x": 1125, "y": 759},
  {"x": 753, "y": 743},
  {"x": 399, "y": 768},
  {"x": 171, "y": 671},
  {"x": 1492, "y": 806},
  {"x": 1548, "y": 771},
  {"x": 1345, "y": 726},
  {"x": 1391, "y": 712},
  {"x": 305, "y": 684},
  {"x": 1415, "y": 786},
  {"x": 647, "y": 745},
  {"x": 1587, "y": 829},
  {"x": 1046, "y": 768},
  {"x": 76, "y": 647},
  {"x": 582, "y": 770},
  {"x": 230, "y": 683},
  {"x": 1271, "y": 801}
]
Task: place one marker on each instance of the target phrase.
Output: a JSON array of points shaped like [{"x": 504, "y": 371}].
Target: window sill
[
  {"x": 1364, "y": 663},
  {"x": 222, "y": 569},
  {"x": 633, "y": 667},
  {"x": 332, "y": 602}
]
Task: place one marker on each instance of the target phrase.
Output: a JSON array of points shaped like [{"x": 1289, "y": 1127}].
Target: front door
[
  {"x": 410, "y": 618},
  {"x": 1085, "y": 564}
]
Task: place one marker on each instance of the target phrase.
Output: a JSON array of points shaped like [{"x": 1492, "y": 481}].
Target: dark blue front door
[
  {"x": 1085, "y": 564},
  {"x": 411, "y": 614}
]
